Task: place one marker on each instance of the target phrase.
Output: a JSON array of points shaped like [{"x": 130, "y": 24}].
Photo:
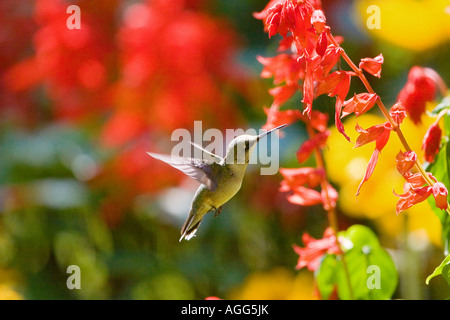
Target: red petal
[
  {"x": 337, "y": 119},
  {"x": 312, "y": 177},
  {"x": 369, "y": 135},
  {"x": 411, "y": 198},
  {"x": 322, "y": 44},
  {"x": 405, "y": 161},
  {"x": 305, "y": 150},
  {"x": 370, "y": 168},
  {"x": 282, "y": 94},
  {"x": 304, "y": 196},
  {"x": 319, "y": 120},
  {"x": 276, "y": 118},
  {"x": 359, "y": 104}
]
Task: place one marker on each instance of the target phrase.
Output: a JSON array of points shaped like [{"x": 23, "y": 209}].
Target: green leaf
[
  {"x": 439, "y": 270},
  {"x": 372, "y": 273},
  {"x": 360, "y": 236},
  {"x": 326, "y": 275},
  {"x": 446, "y": 273}
]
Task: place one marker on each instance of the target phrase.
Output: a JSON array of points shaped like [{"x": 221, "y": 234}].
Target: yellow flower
[
  {"x": 411, "y": 24},
  {"x": 277, "y": 284}
]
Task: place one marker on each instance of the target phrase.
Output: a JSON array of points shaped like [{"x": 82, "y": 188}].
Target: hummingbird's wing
[
  {"x": 200, "y": 170},
  {"x": 215, "y": 156}
]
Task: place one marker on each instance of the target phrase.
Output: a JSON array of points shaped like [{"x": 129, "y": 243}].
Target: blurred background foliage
[{"x": 80, "y": 108}]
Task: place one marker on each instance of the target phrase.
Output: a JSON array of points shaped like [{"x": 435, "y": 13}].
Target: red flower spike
[
  {"x": 276, "y": 118},
  {"x": 398, "y": 113},
  {"x": 359, "y": 104},
  {"x": 310, "y": 256},
  {"x": 440, "y": 195},
  {"x": 432, "y": 141},
  {"x": 372, "y": 65},
  {"x": 318, "y": 20},
  {"x": 405, "y": 161}
]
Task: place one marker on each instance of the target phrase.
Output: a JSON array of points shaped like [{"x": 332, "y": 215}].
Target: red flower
[
  {"x": 418, "y": 90},
  {"x": 378, "y": 133},
  {"x": 440, "y": 195},
  {"x": 282, "y": 94},
  {"x": 432, "y": 141},
  {"x": 359, "y": 104},
  {"x": 283, "y": 68},
  {"x": 414, "y": 190},
  {"x": 302, "y": 196},
  {"x": 405, "y": 161},
  {"x": 337, "y": 84},
  {"x": 398, "y": 113},
  {"x": 310, "y": 256},
  {"x": 305, "y": 150},
  {"x": 276, "y": 118},
  {"x": 411, "y": 197},
  {"x": 372, "y": 65},
  {"x": 318, "y": 120},
  {"x": 312, "y": 177}
]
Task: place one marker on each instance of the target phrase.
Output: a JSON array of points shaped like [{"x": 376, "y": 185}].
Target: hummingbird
[{"x": 220, "y": 178}]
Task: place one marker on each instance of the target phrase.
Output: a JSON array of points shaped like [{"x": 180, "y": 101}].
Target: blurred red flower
[
  {"x": 72, "y": 64},
  {"x": 432, "y": 141},
  {"x": 418, "y": 90},
  {"x": 310, "y": 255}
]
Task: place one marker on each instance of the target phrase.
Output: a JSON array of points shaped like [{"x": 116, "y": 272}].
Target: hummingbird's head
[{"x": 240, "y": 148}]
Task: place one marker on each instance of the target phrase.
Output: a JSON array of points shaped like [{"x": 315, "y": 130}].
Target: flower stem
[{"x": 331, "y": 210}]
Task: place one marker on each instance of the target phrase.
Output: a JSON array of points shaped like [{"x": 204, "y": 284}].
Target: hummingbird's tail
[{"x": 191, "y": 224}]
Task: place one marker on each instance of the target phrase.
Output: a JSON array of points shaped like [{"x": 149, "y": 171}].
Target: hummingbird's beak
[{"x": 270, "y": 131}]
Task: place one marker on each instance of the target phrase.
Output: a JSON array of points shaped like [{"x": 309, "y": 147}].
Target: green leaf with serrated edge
[
  {"x": 438, "y": 269},
  {"x": 444, "y": 104},
  {"x": 326, "y": 275}
]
